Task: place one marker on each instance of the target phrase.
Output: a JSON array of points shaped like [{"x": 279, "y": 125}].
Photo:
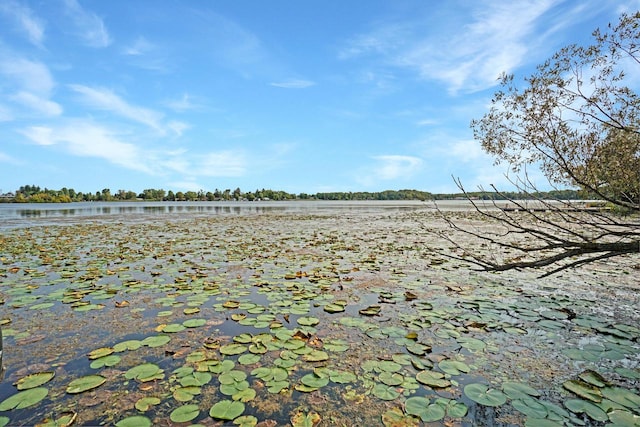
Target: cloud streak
[
  {"x": 89, "y": 26},
  {"x": 294, "y": 84},
  {"x": 31, "y": 25},
  {"x": 89, "y": 140},
  {"x": 499, "y": 39},
  {"x": 105, "y": 99}
]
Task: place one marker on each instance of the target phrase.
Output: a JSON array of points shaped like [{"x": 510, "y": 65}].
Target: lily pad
[
  {"x": 85, "y": 383},
  {"x": 156, "y": 341},
  {"x": 453, "y": 367},
  {"x": 421, "y": 407},
  {"x": 24, "y": 399},
  {"x": 516, "y": 390},
  {"x": 146, "y": 403},
  {"x": 184, "y": 413},
  {"x": 312, "y": 380},
  {"x": 622, "y": 396},
  {"x": 308, "y": 321},
  {"x": 226, "y": 410},
  {"x": 111, "y": 360},
  {"x": 233, "y": 349},
  {"x": 584, "y": 390},
  {"x": 194, "y": 323},
  {"x": 579, "y": 406},
  {"x": 34, "y": 380},
  {"x": 134, "y": 421},
  {"x": 305, "y": 420},
  {"x": 484, "y": 395},
  {"x": 432, "y": 379},
  {"x": 100, "y": 352},
  {"x": 145, "y": 372},
  {"x": 385, "y": 392}
]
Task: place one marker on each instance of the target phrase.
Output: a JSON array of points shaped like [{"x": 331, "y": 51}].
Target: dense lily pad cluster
[{"x": 299, "y": 319}]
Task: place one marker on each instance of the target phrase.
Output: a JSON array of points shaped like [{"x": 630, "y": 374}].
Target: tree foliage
[{"x": 578, "y": 118}]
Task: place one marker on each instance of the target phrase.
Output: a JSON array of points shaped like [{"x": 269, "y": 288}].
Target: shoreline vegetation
[{"x": 36, "y": 194}]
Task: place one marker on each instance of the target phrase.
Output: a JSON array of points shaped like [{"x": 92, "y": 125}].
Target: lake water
[{"x": 15, "y": 215}]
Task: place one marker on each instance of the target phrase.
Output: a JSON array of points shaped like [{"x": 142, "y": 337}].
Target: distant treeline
[{"x": 35, "y": 194}]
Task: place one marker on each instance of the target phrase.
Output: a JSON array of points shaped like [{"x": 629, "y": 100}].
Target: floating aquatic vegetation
[{"x": 198, "y": 320}]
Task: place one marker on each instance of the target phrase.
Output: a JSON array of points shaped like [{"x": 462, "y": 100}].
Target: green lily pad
[
  {"x": 173, "y": 328},
  {"x": 392, "y": 379},
  {"x": 334, "y": 308},
  {"x": 156, "y": 341},
  {"x": 34, "y": 380},
  {"x": 593, "y": 378},
  {"x": 146, "y": 403},
  {"x": 184, "y": 413},
  {"x": 421, "y": 407},
  {"x": 336, "y": 345},
  {"x": 484, "y": 395},
  {"x": 516, "y": 390},
  {"x": 111, "y": 360},
  {"x": 579, "y": 406},
  {"x": 394, "y": 417},
  {"x": 85, "y": 383},
  {"x": 314, "y": 381},
  {"x": 24, "y": 399},
  {"x": 233, "y": 349},
  {"x": 226, "y": 410},
  {"x": 530, "y": 407},
  {"x": 316, "y": 356},
  {"x": 584, "y": 390},
  {"x": 134, "y": 421},
  {"x": 432, "y": 379},
  {"x": 186, "y": 393},
  {"x": 145, "y": 372},
  {"x": 194, "y": 323},
  {"x": 471, "y": 343},
  {"x": 305, "y": 420},
  {"x": 100, "y": 352},
  {"x": 453, "y": 367},
  {"x": 248, "y": 359},
  {"x": 372, "y": 310},
  {"x": 622, "y": 396},
  {"x": 385, "y": 392},
  {"x": 127, "y": 345},
  {"x": 308, "y": 321}
]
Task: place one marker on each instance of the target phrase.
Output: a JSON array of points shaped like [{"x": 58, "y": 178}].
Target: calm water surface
[{"x": 15, "y": 215}]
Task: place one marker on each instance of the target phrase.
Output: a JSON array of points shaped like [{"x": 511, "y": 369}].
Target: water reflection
[{"x": 10, "y": 212}]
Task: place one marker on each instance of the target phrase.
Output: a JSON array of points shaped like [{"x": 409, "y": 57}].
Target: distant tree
[{"x": 578, "y": 117}]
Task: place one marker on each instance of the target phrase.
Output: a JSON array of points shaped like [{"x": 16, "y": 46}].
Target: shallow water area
[{"x": 297, "y": 314}]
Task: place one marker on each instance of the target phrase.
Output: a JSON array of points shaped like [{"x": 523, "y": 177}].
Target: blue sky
[{"x": 301, "y": 96}]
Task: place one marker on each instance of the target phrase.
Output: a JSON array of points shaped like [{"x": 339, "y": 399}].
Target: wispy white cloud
[
  {"x": 28, "y": 75},
  {"x": 31, "y": 25},
  {"x": 394, "y": 166},
  {"x": 143, "y": 54},
  {"x": 294, "y": 84},
  {"x": 32, "y": 86},
  {"x": 37, "y": 104},
  {"x": 140, "y": 46},
  {"x": 5, "y": 158},
  {"x": 184, "y": 103},
  {"x": 90, "y": 27},
  {"x": 227, "y": 163},
  {"x": 86, "y": 139},
  {"x": 497, "y": 37},
  {"x": 105, "y": 99},
  {"x": 389, "y": 168}
]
